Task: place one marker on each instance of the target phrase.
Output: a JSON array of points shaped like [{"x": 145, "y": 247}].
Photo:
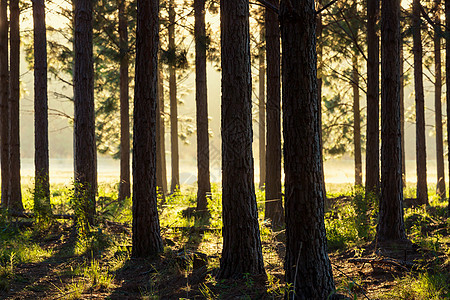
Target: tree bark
[
  {"x": 241, "y": 239},
  {"x": 146, "y": 231},
  {"x": 356, "y": 121},
  {"x": 84, "y": 129},
  {"x": 390, "y": 221},
  {"x": 15, "y": 199},
  {"x": 41, "y": 154},
  {"x": 4, "y": 111},
  {"x": 173, "y": 104},
  {"x": 421, "y": 155},
  {"x": 274, "y": 203},
  {"x": 440, "y": 188},
  {"x": 204, "y": 185},
  {"x": 124, "y": 186},
  {"x": 447, "y": 79},
  {"x": 373, "y": 103},
  {"x": 161, "y": 176},
  {"x": 402, "y": 114},
  {"x": 307, "y": 265},
  {"x": 262, "y": 107}
]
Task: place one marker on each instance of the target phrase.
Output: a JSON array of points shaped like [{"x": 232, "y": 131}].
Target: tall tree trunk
[
  {"x": 160, "y": 155},
  {"x": 84, "y": 130},
  {"x": 447, "y": 80},
  {"x": 241, "y": 239},
  {"x": 373, "y": 103},
  {"x": 204, "y": 185},
  {"x": 15, "y": 200},
  {"x": 160, "y": 138},
  {"x": 402, "y": 114},
  {"x": 421, "y": 155},
  {"x": 356, "y": 122},
  {"x": 4, "y": 112},
  {"x": 390, "y": 220},
  {"x": 438, "y": 105},
  {"x": 262, "y": 107},
  {"x": 41, "y": 154},
  {"x": 274, "y": 203},
  {"x": 124, "y": 186},
  {"x": 307, "y": 265},
  {"x": 173, "y": 103},
  {"x": 146, "y": 231}
]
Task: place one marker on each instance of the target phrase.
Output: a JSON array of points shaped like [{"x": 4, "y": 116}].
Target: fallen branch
[{"x": 405, "y": 265}]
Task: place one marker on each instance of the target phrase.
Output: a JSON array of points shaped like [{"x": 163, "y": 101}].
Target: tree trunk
[
  {"x": 4, "y": 112},
  {"x": 124, "y": 186},
  {"x": 274, "y": 203},
  {"x": 204, "y": 185},
  {"x": 440, "y": 188},
  {"x": 262, "y": 108},
  {"x": 146, "y": 231},
  {"x": 41, "y": 154},
  {"x": 390, "y": 220},
  {"x": 447, "y": 80},
  {"x": 307, "y": 265},
  {"x": 373, "y": 103},
  {"x": 402, "y": 114},
  {"x": 15, "y": 200},
  {"x": 421, "y": 155},
  {"x": 241, "y": 239},
  {"x": 173, "y": 104},
  {"x": 356, "y": 121},
  {"x": 84, "y": 129},
  {"x": 161, "y": 176}
]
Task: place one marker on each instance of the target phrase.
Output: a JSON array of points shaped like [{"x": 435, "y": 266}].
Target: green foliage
[
  {"x": 42, "y": 208},
  {"x": 423, "y": 286}
]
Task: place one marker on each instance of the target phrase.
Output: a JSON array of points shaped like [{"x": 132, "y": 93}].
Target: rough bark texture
[
  {"x": 402, "y": 114},
  {"x": 124, "y": 186},
  {"x": 421, "y": 154},
  {"x": 373, "y": 102},
  {"x": 262, "y": 107},
  {"x": 146, "y": 232},
  {"x": 356, "y": 121},
  {"x": 15, "y": 200},
  {"x": 440, "y": 188},
  {"x": 4, "y": 95},
  {"x": 307, "y": 265},
  {"x": 84, "y": 129},
  {"x": 41, "y": 152},
  {"x": 390, "y": 220},
  {"x": 274, "y": 203},
  {"x": 201, "y": 100},
  {"x": 447, "y": 79},
  {"x": 241, "y": 239},
  {"x": 173, "y": 104}
]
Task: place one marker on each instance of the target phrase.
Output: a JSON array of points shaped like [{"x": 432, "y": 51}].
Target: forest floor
[{"x": 46, "y": 260}]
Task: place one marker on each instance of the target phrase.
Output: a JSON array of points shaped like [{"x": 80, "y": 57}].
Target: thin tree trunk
[
  {"x": 160, "y": 140},
  {"x": 274, "y": 202},
  {"x": 15, "y": 200},
  {"x": 41, "y": 155},
  {"x": 4, "y": 112},
  {"x": 204, "y": 185},
  {"x": 447, "y": 80},
  {"x": 241, "y": 238},
  {"x": 373, "y": 102},
  {"x": 262, "y": 108},
  {"x": 308, "y": 268},
  {"x": 356, "y": 122},
  {"x": 421, "y": 155},
  {"x": 440, "y": 189},
  {"x": 84, "y": 129},
  {"x": 124, "y": 186},
  {"x": 390, "y": 219},
  {"x": 402, "y": 114},
  {"x": 146, "y": 231},
  {"x": 173, "y": 104}
]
